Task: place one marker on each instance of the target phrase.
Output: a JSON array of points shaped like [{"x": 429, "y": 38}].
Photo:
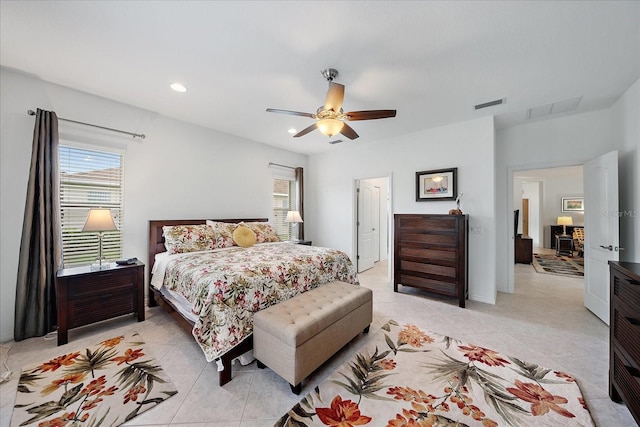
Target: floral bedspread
[
  {"x": 226, "y": 287},
  {"x": 405, "y": 376}
]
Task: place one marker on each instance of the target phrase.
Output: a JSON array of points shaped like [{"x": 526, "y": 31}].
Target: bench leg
[
  {"x": 260, "y": 364},
  {"x": 295, "y": 389},
  {"x": 366, "y": 330}
]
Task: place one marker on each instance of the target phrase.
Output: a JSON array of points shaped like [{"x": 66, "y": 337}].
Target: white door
[
  {"x": 601, "y": 230},
  {"x": 375, "y": 222},
  {"x": 365, "y": 226}
]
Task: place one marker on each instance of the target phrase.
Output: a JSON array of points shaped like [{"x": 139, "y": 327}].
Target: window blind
[
  {"x": 284, "y": 200},
  {"x": 89, "y": 179}
]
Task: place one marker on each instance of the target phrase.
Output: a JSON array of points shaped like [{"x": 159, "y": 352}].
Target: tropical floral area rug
[
  {"x": 556, "y": 264},
  {"x": 104, "y": 385},
  {"x": 405, "y": 376}
]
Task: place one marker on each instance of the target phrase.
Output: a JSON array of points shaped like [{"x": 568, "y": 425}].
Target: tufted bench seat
[{"x": 296, "y": 336}]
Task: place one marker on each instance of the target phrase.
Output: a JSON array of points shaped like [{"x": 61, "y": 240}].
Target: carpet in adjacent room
[
  {"x": 103, "y": 385},
  {"x": 559, "y": 264}
]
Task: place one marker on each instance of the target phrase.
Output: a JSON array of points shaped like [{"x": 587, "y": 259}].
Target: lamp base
[{"x": 100, "y": 265}]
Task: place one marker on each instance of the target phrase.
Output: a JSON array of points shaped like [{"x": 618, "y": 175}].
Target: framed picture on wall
[
  {"x": 572, "y": 204},
  {"x": 437, "y": 184}
]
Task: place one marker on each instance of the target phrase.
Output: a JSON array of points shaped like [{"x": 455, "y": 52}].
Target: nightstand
[
  {"x": 87, "y": 296},
  {"x": 303, "y": 242},
  {"x": 564, "y": 245}
]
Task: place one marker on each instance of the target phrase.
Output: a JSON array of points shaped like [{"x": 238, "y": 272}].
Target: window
[
  {"x": 284, "y": 200},
  {"x": 89, "y": 179}
]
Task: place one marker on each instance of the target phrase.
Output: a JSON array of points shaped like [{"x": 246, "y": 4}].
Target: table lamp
[
  {"x": 564, "y": 221},
  {"x": 99, "y": 220},
  {"x": 295, "y": 218}
]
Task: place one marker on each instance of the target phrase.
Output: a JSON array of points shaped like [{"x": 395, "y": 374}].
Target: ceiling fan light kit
[
  {"x": 330, "y": 127},
  {"x": 330, "y": 118}
]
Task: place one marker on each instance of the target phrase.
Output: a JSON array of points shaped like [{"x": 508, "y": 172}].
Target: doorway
[
  {"x": 371, "y": 219},
  {"x": 538, "y": 193}
]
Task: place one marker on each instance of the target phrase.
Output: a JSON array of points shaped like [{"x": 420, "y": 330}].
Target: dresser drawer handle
[
  {"x": 633, "y": 371},
  {"x": 633, "y": 321}
]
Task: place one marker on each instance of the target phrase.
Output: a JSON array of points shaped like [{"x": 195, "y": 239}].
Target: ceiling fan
[{"x": 330, "y": 118}]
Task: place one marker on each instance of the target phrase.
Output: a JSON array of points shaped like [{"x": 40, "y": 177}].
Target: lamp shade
[
  {"x": 330, "y": 127},
  {"x": 565, "y": 220},
  {"x": 99, "y": 220},
  {"x": 294, "y": 216}
]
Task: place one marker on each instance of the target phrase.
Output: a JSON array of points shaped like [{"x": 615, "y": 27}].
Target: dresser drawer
[
  {"x": 628, "y": 292},
  {"x": 626, "y": 330},
  {"x": 627, "y": 379},
  {"x": 101, "y": 283},
  {"x": 436, "y": 286}
]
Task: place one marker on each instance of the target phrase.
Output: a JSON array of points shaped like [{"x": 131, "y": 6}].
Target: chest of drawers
[{"x": 624, "y": 335}]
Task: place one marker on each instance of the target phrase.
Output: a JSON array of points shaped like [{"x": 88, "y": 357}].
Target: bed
[{"x": 213, "y": 293}]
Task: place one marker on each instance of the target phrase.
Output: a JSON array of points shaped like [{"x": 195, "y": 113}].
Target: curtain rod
[
  {"x": 282, "y": 166},
  {"x": 135, "y": 135}
]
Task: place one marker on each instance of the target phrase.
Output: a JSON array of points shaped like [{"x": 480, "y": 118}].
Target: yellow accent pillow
[{"x": 244, "y": 236}]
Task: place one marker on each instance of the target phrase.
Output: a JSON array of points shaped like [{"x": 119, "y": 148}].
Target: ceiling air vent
[
  {"x": 554, "y": 108},
  {"x": 490, "y": 103}
]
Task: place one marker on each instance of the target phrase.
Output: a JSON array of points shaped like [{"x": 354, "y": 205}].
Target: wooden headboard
[{"x": 156, "y": 240}]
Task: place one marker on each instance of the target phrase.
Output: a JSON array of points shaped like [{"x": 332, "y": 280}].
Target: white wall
[
  {"x": 555, "y": 188},
  {"x": 567, "y": 141},
  {"x": 625, "y": 130},
  {"x": 469, "y": 146},
  {"x": 179, "y": 171}
]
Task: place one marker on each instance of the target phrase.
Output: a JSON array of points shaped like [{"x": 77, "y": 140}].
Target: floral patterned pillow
[
  {"x": 264, "y": 232},
  {"x": 223, "y": 232},
  {"x": 188, "y": 238}
]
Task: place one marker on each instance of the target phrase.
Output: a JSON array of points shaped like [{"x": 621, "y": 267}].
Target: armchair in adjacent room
[{"x": 578, "y": 240}]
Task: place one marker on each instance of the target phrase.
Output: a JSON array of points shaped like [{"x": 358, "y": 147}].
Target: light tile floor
[{"x": 543, "y": 322}]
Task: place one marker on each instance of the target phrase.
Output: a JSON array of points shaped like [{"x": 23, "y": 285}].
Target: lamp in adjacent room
[
  {"x": 295, "y": 218},
  {"x": 99, "y": 220},
  {"x": 564, "y": 221}
]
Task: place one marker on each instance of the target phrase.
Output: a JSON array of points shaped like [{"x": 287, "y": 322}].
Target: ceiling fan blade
[
  {"x": 305, "y": 131},
  {"x": 349, "y": 132},
  {"x": 370, "y": 115},
  {"x": 293, "y": 113},
  {"x": 335, "y": 96}
]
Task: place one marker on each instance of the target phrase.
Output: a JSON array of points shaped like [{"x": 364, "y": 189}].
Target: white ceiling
[{"x": 432, "y": 61}]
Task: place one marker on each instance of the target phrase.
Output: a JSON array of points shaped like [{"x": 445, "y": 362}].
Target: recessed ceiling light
[
  {"x": 178, "y": 87},
  {"x": 292, "y": 131}
]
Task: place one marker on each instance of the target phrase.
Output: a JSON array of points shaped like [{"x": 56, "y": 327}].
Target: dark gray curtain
[
  {"x": 35, "y": 313},
  {"x": 300, "y": 200}
]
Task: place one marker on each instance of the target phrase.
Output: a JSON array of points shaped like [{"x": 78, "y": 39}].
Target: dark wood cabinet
[
  {"x": 431, "y": 253},
  {"x": 624, "y": 335},
  {"x": 523, "y": 250},
  {"x": 86, "y": 296}
]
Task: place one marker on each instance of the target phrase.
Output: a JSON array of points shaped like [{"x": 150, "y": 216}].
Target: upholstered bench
[{"x": 296, "y": 336}]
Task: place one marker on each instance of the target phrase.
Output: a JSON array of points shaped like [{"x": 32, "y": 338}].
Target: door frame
[
  {"x": 510, "y": 208},
  {"x": 354, "y": 219}
]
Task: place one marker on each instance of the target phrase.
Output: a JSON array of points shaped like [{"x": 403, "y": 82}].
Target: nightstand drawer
[
  {"x": 85, "y": 311},
  {"x": 101, "y": 283}
]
